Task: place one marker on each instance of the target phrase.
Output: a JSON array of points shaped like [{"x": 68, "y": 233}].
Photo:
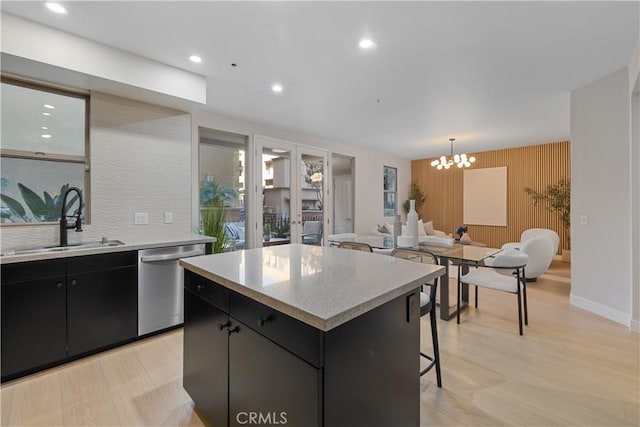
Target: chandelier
[{"x": 460, "y": 160}]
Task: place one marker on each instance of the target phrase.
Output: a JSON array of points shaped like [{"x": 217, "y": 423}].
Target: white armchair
[
  {"x": 540, "y": 252},
  {"x": 544, "y": 257},
  {"x": 535, "y": 232}
]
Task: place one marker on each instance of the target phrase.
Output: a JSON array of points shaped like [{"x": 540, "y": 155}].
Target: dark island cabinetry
[
  {"x": 235, "y": 374},
  {"x": 244, "y": 362},
  {"x": 56, "y": 310}
]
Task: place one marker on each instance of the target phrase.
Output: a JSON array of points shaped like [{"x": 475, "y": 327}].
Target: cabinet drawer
[
  {"x": 299, "y": 338},
  {"x": 83, "y": 264},
  {"x": 207, "y": 290},
  {"x": 25, "y": 271}
]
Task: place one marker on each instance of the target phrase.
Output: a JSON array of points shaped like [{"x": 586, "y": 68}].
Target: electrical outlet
[
  {"x": 141, "y": 218},
  {"x": 584, "y": 220},
  {"x": 168, "y": 217}
]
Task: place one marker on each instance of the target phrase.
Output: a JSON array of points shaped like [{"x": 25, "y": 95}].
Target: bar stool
[{"x": 427, "y": 306}]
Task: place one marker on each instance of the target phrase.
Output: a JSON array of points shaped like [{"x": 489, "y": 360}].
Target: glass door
[
  {"x": 277, "y": 160},
  {"x": 312, "y": 195},
  {"x": 291, "y": 193}
]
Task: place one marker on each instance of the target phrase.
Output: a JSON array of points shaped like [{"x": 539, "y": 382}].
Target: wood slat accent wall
[{"x": 532, "y": 166}]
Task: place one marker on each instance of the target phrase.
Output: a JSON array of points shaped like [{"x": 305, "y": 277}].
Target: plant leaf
[
  {"x": 37, "y": 206},
  {"x": 13, "y": 205},
  {"x": 70, "y": 203},
  {"x": 52, "y": 215},
  {"x": 60, "y": 196}
]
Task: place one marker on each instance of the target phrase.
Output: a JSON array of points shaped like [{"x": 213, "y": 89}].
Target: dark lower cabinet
[
  {"x": 270, "y": 384},
  {"x": 244, "y": 364},
  {"x": 101, "y": 308},
  {"x": 56, "y": 310},
  {"x": 205, "y": 373},
  {"x": 34, "y": 324}
]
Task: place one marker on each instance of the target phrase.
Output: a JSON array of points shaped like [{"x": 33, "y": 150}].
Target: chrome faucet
[{"x": 64, "y": 226}]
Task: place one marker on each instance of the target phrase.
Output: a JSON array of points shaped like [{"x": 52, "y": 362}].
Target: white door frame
[{"x": 295, "y": 206}]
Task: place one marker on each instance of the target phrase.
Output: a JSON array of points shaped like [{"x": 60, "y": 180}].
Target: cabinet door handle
[
  {"x": 199, "y": 288},
  {"x": 59, "y": 285},
  {"x": 74, "y": 282},
  {"x": 234, "y": 329},
  {"x": 264, "y": 320},
  {"x": 221, "y": 326}
]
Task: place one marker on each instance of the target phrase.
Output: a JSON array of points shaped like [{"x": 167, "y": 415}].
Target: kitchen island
[{"x": 304, "y": 336}]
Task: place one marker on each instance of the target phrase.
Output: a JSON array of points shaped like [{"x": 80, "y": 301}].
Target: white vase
[{"x": 412, "y": 223}]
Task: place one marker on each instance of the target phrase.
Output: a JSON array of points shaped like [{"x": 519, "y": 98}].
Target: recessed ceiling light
[
  {"x": 46, "y": 114},
  {"x": 46, "y": 136},
  {"x": 276, "y": 88},
  {"x": 44, "y": 128},
  {"x": 195, "y": 58},
  {"x": 49, "y": 106},
  {"x": 55, "y": 7},
  {"x": 366, "y": 44}
]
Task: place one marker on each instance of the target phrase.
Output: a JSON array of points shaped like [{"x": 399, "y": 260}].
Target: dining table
[{"x": 458, "y": 254}]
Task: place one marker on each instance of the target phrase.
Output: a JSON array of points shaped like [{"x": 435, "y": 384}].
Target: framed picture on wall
[{"x": 390, "y": 190}]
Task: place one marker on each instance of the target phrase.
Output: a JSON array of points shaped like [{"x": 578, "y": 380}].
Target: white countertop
[
  {"x": 321, "y": 286},
  {"x": 128, "y": 246}
]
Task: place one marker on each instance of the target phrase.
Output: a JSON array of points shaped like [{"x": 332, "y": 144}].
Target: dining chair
[
  {"x": 512, "y": 262},
  {"x": 334, "y": 239},
  {"x": 356, "y": 246},
  {"x": 427, "y": 306}
]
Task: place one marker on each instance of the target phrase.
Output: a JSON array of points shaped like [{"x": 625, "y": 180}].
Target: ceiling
[{"x": 490, "y": 74}]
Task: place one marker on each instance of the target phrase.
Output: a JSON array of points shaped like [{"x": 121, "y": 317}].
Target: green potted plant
[
  {"x": 266, "y": 232},
  {"x": 557, "y": 199},
  {"x": 415, "y": 193},
  {"x": 281, "y": 227},
  {"x": 213, "y": 219}
]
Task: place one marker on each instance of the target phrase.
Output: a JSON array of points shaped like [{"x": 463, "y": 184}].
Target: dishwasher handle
[{"x": 170, "y": 257}]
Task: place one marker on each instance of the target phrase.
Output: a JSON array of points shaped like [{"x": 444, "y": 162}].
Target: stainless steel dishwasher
[{"x": 160, "y": 286}]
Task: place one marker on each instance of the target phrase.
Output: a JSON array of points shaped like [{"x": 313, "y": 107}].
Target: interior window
[
  {"x": 43, "y": 152},
  {"x": 390, "y": 190}
]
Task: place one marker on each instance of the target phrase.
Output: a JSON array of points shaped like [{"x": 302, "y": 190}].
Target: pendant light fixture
[{"x": 460, "y": 160}]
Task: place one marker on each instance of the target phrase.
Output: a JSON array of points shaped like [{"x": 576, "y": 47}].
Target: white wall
[
  {"x": 140, "y": 162},
  {"x": 34, "y": 50},
  {"x": 601, "y": 189},
  {"x": 634, "y": 158},
  {"x": 368, "y": 164}
]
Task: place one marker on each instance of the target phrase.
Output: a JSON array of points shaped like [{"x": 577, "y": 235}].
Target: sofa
[{"x": 424, "y": 229}]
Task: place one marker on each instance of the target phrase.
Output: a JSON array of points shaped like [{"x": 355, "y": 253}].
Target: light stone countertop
[
  {"x": 321, "y": 286},
  {"x": 152, "y": 242}
]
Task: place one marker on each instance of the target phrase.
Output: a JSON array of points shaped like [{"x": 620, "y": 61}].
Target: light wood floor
[{"x": 570, "y": 368}]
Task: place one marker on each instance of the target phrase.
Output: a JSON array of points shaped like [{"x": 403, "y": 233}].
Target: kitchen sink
[{"x": 75, "y": 246}]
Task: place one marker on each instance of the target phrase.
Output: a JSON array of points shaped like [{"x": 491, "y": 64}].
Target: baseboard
[
  {"x": 601, "y": 310},
  {"x": 635, "y": 326}
]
